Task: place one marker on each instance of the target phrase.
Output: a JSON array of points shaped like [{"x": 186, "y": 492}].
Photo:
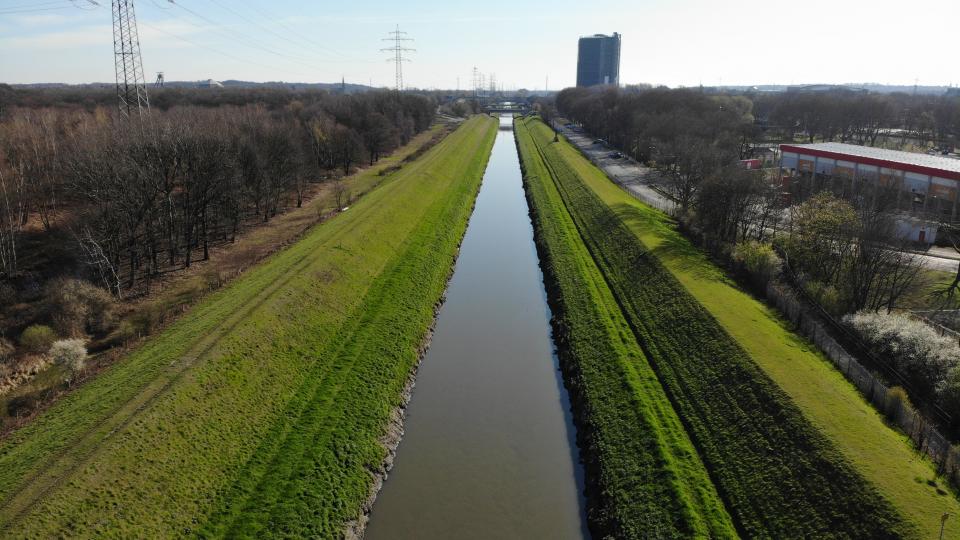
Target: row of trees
[
  {"x": 849, "y": 254},
  {"x": 861, "y": 118},
  {"x": 139, "y": 200},
  {"x": 687, "y": 134},
  {"x": 847, "y": 250}
]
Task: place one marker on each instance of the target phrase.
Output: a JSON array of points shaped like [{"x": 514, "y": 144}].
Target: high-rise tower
[{"x": 598, "y": 61}]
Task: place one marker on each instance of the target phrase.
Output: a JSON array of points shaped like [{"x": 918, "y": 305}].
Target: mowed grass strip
[
  {"x": 647, "y": 479},
  {"x": 106, "y": 462},
  {"x": 882, "y": 455},
  {"x": 778, "y": 475}
]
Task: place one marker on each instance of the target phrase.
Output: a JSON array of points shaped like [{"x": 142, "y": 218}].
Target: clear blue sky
[{"x": 680, "y": 42}]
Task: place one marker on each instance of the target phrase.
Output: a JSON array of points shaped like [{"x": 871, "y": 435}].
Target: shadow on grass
[{"x": 673, "y": 247}]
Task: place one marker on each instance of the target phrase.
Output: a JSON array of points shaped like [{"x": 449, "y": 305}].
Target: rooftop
[
  {"x": 600, "y": 36},
  {"x": 881, "y": 156}
]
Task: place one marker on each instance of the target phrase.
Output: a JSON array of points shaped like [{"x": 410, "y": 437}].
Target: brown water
[{"x": 489, "y": 449}]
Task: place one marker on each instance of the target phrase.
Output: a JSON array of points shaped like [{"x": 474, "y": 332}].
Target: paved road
[
  {"x": 641, "y": 181},
  {"x": 635, "y": 177}
]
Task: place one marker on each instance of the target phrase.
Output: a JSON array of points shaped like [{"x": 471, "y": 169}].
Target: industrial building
[
  {"x": 922, "y": 187},
  {"x": 598, "y": 60}
]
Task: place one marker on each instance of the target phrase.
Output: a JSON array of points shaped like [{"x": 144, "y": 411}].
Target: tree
[
  {"x": 726, "y": 203},
  {"x": 69, "y": 354},
  {"x": 378, "y": 136},
  {"x": 12, "y": 216},
  {"x": 347, "y": 147},
  {"x": 821, "y": 234},
  {"x": 856, "y": 251}
]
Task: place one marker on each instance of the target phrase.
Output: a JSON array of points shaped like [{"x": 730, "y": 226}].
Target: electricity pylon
[
  {"x": 159, "y": 82},
  {"x": 131, "y": 87},
  {"x": 397, "y": 37}
]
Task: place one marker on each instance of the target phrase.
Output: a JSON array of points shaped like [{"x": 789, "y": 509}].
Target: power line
[
  {"x": 213, "y": 49},
  {"x": 15, "y": 11},
  {"x": 397, "y": 37},
  {"x": 287, "y": 38},
  {"x": 243, "y": 39}
]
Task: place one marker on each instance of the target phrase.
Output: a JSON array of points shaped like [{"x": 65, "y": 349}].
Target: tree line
[
  {"x": 861, "y": 118},
  {"x": 846, "y": 250},
  {"x": 137, "y": 200}
]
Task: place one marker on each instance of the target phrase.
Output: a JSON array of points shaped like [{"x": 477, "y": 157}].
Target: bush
[
  {"x": 916, "y": 349},
  {"x": 6, "y": 350},
  {"x": 759, "y": 260},
  {"x": 70, "y": 354},
  {"x": 896, "y": 400},
  {"x": 827, "y": 296},
  {"x": 37, "y": 338},
  {"x": 78, "y": 307},
  {"x": 22, "y": 405},
  {"x": 8, "y": 294}
]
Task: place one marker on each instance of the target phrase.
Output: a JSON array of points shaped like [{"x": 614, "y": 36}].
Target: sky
[{"x": 523, "y": 43}]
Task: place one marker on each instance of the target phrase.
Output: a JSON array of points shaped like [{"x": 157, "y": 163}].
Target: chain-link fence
[{"x": 924, "y": 435}]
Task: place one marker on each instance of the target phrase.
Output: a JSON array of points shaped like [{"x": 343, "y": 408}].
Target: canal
[{"x": 489, "y": 446}]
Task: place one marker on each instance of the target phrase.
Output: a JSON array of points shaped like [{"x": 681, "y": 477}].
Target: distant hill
[
  {"x": 349, "y": 88},
  {"x": 858, "y": 87}
]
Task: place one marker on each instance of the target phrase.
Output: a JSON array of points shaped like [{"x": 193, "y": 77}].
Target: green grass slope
[
  {"x": 646, "y": 477},
  {"x": 882, "y": 455},
  {"x": 260, "y": 412},
  {"x": 778, "y": 475}
]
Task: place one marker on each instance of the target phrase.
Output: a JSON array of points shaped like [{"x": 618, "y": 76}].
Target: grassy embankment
[
  {"x": 645, "y": 474},
  {"x": 171, "y": 295},
  {"x": 261, "y": 411},
  {"x": 883, "y": 456},
  {"x": 777, "y": 474}
]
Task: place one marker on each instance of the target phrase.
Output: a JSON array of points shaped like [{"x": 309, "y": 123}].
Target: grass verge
[
  {"x": 777, "y": 474},
  {"x": 645, "y": 475},
  {"x": 283, "y": 380}
]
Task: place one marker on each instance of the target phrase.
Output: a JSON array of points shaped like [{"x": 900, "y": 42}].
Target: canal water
[{"x": 489, "y": 446}]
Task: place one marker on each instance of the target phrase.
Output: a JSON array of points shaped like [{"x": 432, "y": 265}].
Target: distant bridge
[{"x": 507, "y": 107}]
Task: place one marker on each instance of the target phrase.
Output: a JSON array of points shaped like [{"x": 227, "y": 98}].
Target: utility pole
[
  {"x": 397, "y": 50},
  {"x": 476, "y": 84},
  {"x": 131, "y": 88}
]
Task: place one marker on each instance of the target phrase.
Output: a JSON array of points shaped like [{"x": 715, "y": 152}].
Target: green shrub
[
  {"x": 827, "y": 296},
  {"x": 37, "y": 338},
  {"x": 757, "y": 259}
]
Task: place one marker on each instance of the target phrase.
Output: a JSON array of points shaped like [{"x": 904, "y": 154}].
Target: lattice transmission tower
[
  {"x": 398, "y": 39},
  {"x": 131, "y": 87}
]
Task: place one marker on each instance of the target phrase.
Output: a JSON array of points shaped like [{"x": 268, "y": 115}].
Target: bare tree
[{"x": 12, "y": 217}]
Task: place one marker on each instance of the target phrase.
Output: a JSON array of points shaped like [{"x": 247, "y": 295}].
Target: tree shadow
[{"x": 673, "y": 246}]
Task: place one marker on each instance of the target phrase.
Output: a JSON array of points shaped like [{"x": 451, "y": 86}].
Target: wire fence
[{"x": 923, "y": 433}]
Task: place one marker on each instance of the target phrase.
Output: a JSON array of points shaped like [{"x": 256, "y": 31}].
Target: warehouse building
[
  {"x": 922, "y": 187},
  {"x": 598, "y": 60}
]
